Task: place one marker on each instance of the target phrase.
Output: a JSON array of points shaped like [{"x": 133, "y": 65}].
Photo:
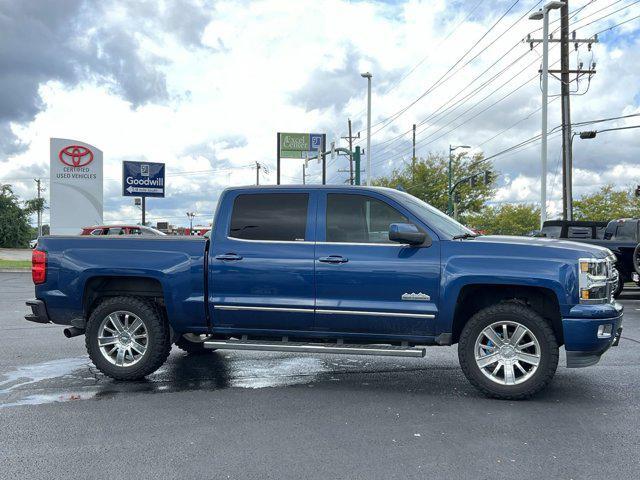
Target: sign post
[
  {"x": 143, "y": 179},
  {"x": 301, "y": 145}
]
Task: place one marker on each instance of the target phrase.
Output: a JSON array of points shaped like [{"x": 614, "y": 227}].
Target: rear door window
[
  {"x": 115, "y": 231},
  {"x": 270, "y": 217}
]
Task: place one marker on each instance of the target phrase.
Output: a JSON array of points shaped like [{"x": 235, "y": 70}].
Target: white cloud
[{"x": 273, "y": 66}]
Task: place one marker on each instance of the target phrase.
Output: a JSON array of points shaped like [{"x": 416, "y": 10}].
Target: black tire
[
  {"x": 512, "y": 312},
  {"x": 636, "y": 259},
  {"x": 191, "y": 347},
  {"x": 158, "y": 343},
  {"x": 620, "y": 287}
]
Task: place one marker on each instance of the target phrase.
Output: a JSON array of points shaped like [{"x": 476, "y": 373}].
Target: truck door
[
  {"x": 261, "y": 262},
  {"x": 365, "y": 283}
]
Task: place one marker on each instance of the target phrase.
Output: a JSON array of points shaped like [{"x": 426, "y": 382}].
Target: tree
[
  {"x": 506, "y": 219},
  {"x": 607, "y": 204},
  {"x": 429, "y": 181},
  {"x": 15, "y": 231}
]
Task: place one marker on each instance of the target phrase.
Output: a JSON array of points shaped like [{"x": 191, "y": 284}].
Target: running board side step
[{"x": 335, "y": 348}]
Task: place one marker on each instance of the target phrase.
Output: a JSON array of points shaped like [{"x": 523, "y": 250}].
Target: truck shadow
[{"x": 76, "y": 379}]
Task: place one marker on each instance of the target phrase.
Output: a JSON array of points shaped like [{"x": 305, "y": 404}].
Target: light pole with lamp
[
  {"x": 191, "y": 215},
  {"x": 368, "y": 76},
  {"x": 452, "y": 148},
  {"x": 543, "y": 14}
]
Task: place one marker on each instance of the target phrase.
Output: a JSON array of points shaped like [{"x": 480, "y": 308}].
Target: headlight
[{"x": 594, "y": 278}]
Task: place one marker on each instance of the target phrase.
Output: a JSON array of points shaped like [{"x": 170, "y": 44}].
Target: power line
[
  {"x": 617, "y": 25},
  {"x": 387, "y": 121},
  {"x": 404, "y": 77},
  {"x": 399, "y": 137}
]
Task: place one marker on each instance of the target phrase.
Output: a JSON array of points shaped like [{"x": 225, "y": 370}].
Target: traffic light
[
  {"x": 638, "y": 191},
  {"x": 474, "y": 181},
  {"x": 487, "y": 177}
]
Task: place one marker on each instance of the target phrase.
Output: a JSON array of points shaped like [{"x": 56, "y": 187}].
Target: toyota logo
[{"x": 76, "y": 156}]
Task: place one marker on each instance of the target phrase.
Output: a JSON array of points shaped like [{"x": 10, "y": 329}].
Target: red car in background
[{"x": 120, "y": 230}]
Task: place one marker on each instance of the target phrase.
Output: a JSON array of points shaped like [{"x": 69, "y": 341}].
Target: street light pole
[
  {"x": 449, "y": 192},
  {"x": 191, "y": 215},
  {"x": 368, "y": 76},
  {"x": 544, "y": 16}
]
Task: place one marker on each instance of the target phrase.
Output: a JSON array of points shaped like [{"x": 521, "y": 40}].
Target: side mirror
[{"x": 406, "y": 233}]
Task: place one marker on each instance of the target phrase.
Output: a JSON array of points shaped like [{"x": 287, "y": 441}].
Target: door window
[
  {"x": 626, "y": 231},
  {"x": 115, "y": 231},
  {"x": 270, "y": 216},
  {"x": 360, "y": 219}
]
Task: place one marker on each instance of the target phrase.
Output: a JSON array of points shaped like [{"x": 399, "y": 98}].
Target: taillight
[{"x": 38, "y": 266}]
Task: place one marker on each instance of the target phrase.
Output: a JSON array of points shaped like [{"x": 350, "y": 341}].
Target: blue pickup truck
[{"x": 319, "y": 269}]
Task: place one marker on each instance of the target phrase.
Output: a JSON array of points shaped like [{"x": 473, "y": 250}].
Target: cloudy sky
[{"x": 205, "y": 85}]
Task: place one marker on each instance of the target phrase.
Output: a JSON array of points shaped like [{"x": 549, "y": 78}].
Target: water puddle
[
  {"x": 71, "y": 379},
  {"x": 28, "y": 374}
]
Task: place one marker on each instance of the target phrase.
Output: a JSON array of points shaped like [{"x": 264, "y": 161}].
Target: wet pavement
[{"x": 273, "y": 415}]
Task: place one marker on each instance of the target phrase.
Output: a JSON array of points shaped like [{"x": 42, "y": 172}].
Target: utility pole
[
  {"x": 565, "y": 93},
  {"x": 257, "y": 173},
  {"x": 567, "y": 208},
  {"x": 304, "y": 173},
  {"x": 37, "y": 180},
  {"x": 350, "y": 139},
  {"x": 413, "y": 158},
  {"x": 144, "y": 210}
]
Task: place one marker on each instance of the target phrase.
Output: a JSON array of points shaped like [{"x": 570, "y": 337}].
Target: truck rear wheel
[
  {"x": 508, "y": 351},
  {"x": 127, "y": 338},
  {"x": 193, "y": 344}
]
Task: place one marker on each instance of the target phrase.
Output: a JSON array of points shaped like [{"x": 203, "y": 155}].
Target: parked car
[
  {"x": 120, "y": 230},
  {"x": 33, "y": 243},
  {"x": 319, "y": 269},
  {"x": 620, "y": 236},
  {"x": 572, "y": 229}
]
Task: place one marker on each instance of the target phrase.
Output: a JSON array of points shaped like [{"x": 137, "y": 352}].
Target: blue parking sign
[{"x": 315, "y": 141}]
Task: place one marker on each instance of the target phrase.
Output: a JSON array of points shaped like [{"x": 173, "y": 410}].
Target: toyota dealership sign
[{"x": 76, "y": 186}]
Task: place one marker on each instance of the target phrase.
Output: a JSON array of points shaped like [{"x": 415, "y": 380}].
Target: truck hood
[{"x": 559, "y": 246}]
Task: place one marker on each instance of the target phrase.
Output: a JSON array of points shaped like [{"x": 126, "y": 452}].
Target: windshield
[{"x": 431, "y": 216}]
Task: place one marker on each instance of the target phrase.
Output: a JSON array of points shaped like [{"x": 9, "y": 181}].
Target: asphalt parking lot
[{"x": 270, "y": 415}]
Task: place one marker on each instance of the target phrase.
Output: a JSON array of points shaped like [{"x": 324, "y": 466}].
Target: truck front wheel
[
  {"x": 127, "y": 338},
  {"x": 508, "y": 351}
]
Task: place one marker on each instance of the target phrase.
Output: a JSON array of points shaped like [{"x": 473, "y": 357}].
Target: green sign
[{"x": 299, "y": 145}]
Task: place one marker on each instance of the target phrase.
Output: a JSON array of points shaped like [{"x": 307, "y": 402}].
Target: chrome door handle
[
  {"x": 229, "y": 256},
  {"x": 333, "y": 259}
]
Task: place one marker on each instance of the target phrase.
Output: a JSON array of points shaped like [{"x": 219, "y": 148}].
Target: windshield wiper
[{"x": 465, "y": 235}]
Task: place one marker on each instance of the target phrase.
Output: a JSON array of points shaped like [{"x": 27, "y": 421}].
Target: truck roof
[{"x": 307, "y": 186}]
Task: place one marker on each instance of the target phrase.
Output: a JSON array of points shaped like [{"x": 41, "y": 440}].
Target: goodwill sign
[{"x": 142, "y": 179}]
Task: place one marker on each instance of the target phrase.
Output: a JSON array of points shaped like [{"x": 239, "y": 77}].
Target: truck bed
[{"x": 174, "y": 265}]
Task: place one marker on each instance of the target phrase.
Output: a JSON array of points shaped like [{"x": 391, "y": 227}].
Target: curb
[{"x": 15, "y": 270}]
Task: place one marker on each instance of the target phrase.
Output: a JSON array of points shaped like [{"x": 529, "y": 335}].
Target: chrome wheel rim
[
  {"x": 123, "y": 338},
  {"x": 507, "y": 353}
]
